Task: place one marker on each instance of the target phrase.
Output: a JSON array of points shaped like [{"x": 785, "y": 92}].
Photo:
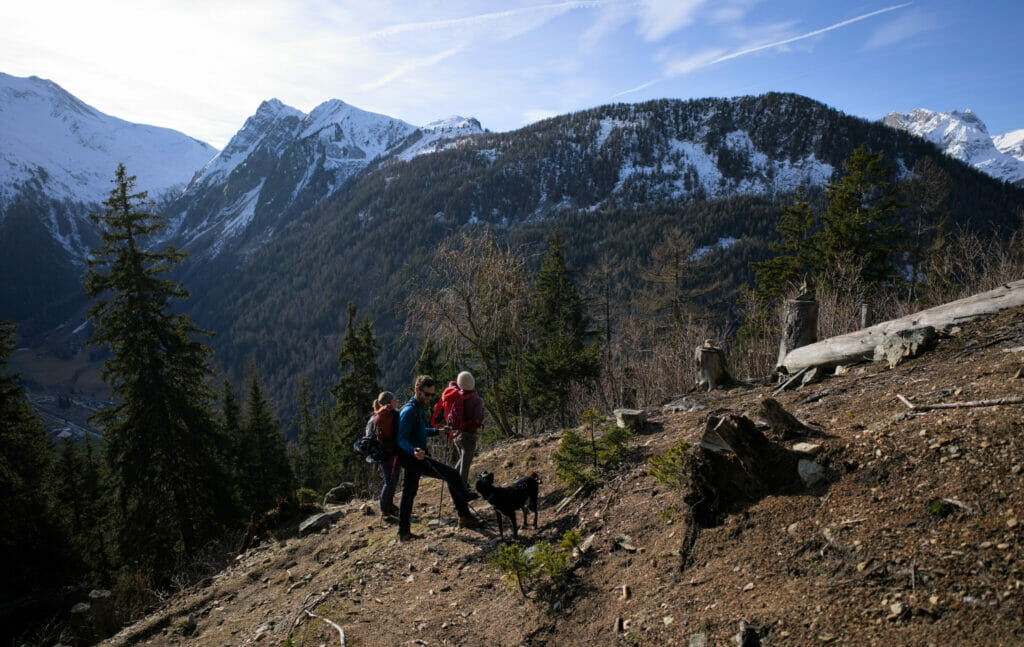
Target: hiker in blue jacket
[{"x": 412, "y": 454}]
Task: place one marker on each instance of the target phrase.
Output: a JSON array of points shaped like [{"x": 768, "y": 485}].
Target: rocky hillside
[{"x": 914, "y": 536}]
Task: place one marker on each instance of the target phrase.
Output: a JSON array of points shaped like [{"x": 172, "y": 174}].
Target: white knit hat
[{"x": 465, "y": 381}]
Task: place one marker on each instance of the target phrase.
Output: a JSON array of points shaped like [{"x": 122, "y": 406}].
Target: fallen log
[{"x": 860, "y": 346}]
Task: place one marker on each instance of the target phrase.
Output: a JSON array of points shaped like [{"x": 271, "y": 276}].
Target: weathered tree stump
[
  {"x": 783, "y": 422},
  {"x": 800, "y": 325},
  {"x": 711, "y": 369}
]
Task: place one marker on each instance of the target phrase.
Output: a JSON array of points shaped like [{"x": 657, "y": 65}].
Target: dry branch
[
  {"x": 960, "y": 405},
  {"x": 341, "y": 632},
  {"x": 569, "y": 498}
]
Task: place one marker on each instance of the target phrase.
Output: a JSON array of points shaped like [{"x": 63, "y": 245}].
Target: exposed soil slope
[{"x": 915, "y": 540}]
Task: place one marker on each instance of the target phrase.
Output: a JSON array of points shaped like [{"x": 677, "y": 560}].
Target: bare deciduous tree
[{"x": 471, "y": 300}]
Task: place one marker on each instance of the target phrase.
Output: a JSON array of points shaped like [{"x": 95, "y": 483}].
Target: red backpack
[
  {"x": 448, "y": 411},
  {"x": 386, "y": 429}
]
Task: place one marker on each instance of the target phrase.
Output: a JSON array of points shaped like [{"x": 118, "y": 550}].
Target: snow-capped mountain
[
  {"x": 963, "y": 135},
  {"x": 1011, "y": 143},
  {"x": 439, "y": 135},
  {"x": 69, "y": 150},
  {"x": 58, "y": 157},
  {"x": 279, "y": 164}
]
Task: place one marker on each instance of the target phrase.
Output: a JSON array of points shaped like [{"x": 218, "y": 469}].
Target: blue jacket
[{"x": 412, "y": 432}]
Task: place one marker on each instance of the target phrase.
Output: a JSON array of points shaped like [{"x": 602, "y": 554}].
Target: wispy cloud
[
  {"x": 659, "y": 18},
  {"x": 708, "y": 58},
  {"x": 408, "y": 66},
  {"x": 549, "y": 10},
  {"x": 901, "y": 29}
]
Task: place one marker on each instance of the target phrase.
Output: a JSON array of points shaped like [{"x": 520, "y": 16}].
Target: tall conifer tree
[
  {"x": 31, "y": 555},
  {"x": 269, "y": 475},
  {"x": 165, "y": 451},
  {"x": 354, "y": 393},
  {"x": 561, "y": 353},
  {"x": 861, "y": 222}
]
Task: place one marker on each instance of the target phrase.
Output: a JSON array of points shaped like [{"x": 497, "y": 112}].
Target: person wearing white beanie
[{"x": 473, "y": 418}]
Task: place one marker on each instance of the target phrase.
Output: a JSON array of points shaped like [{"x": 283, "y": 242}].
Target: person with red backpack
[
  {"x": 461, "y": 411},
  {"x": 383, "y": 428}
]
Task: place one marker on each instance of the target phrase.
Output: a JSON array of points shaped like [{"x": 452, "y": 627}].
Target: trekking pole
[{"x": 440, "y": 500}]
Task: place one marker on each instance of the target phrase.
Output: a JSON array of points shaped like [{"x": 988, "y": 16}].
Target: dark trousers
[
  {"x": 428, "y": 467},
  {"x": 389, "y": 468}
]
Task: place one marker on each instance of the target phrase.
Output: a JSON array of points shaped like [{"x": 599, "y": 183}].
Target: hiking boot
[
  {"x": 408, "y": 536},
  {"x": 389, "y": 509},
  {"x": 469, "y": 521}
]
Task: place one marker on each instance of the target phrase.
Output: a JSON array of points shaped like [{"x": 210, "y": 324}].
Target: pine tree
[
  {"x": 165, "y": 451},
  {"x": 269, "y": 475},
  {"x": 354, "y": 393},
  {"x": 797, "y": 253},
  {"x": 561, "y": 354},
  {"x": 861, "y": 222},
  {"x": 432, "y": 362},
  {"x": 306, "y": 467},
  {"x": 31, "y": 553}
]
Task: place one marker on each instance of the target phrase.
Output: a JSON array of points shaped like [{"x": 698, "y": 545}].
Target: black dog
[{"x": 521, "y": 495}]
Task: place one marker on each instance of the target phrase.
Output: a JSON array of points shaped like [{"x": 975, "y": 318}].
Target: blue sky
[{"x": 203, "y": 66}]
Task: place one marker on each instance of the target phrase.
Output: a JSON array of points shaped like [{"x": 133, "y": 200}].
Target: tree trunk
[
  {"x": 711, "y": 369},
  {"x": 800, "y": 326},
  {"x": 860, "y": 345}
]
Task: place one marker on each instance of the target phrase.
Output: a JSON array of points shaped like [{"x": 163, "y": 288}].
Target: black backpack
[{"x": 370, "y": 449}]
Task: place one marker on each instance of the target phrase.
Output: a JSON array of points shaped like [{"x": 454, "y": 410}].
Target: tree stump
[
  {"x": 783, "y": 422},
  {"x": 711, "y": 369},
  {"x": 800, "y": 326}
]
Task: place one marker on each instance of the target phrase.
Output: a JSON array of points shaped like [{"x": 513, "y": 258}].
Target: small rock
[
  {"x": 340, "y": 494},
  {"x": 811, "y": 473},
  {"x": 808, "y": 449},
  {"x": 625, "y": 591},
  {"x": 410, "y": 578},
  {"x": 625, "y": 542},
  {"x": 437, "y": 549},
  {"x": 842, "y": 370},
  {"x": 367, "y": 510},
  {"x": 630, "y": 418},
  {"x": 792, "y": 528},
  {"x": 190, "y": 625},
  {"x": 896, "y": 610},
  {"x": 1012, "y": 522},
  {"x": 749, "y": 586},
  {"x": 587, "y": 543},
  {"x": 668, "y": 620},
  {"x": 811, "y": 376},
  {"x": 698, "y": 640},
  {"x": 617, "y": 626},
  {"x": 319, "y": 522}
]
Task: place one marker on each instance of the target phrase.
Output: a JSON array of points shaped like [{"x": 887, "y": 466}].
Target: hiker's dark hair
[{"x": 424, "y": 382}]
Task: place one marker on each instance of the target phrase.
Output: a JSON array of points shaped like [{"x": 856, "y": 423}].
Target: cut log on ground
[
  {"x": 711, "y": 369},
  {"x": 860, "y": 345},
  {"x": 800, "y": 326}
]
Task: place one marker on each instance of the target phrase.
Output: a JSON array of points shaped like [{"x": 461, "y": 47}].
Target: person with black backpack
[{"x": 382, "y": 430}]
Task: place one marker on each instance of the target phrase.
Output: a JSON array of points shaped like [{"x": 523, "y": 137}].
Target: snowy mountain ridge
[
  {"x": 963, "y": 136},
  {"x": 59, "y": 146}
]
